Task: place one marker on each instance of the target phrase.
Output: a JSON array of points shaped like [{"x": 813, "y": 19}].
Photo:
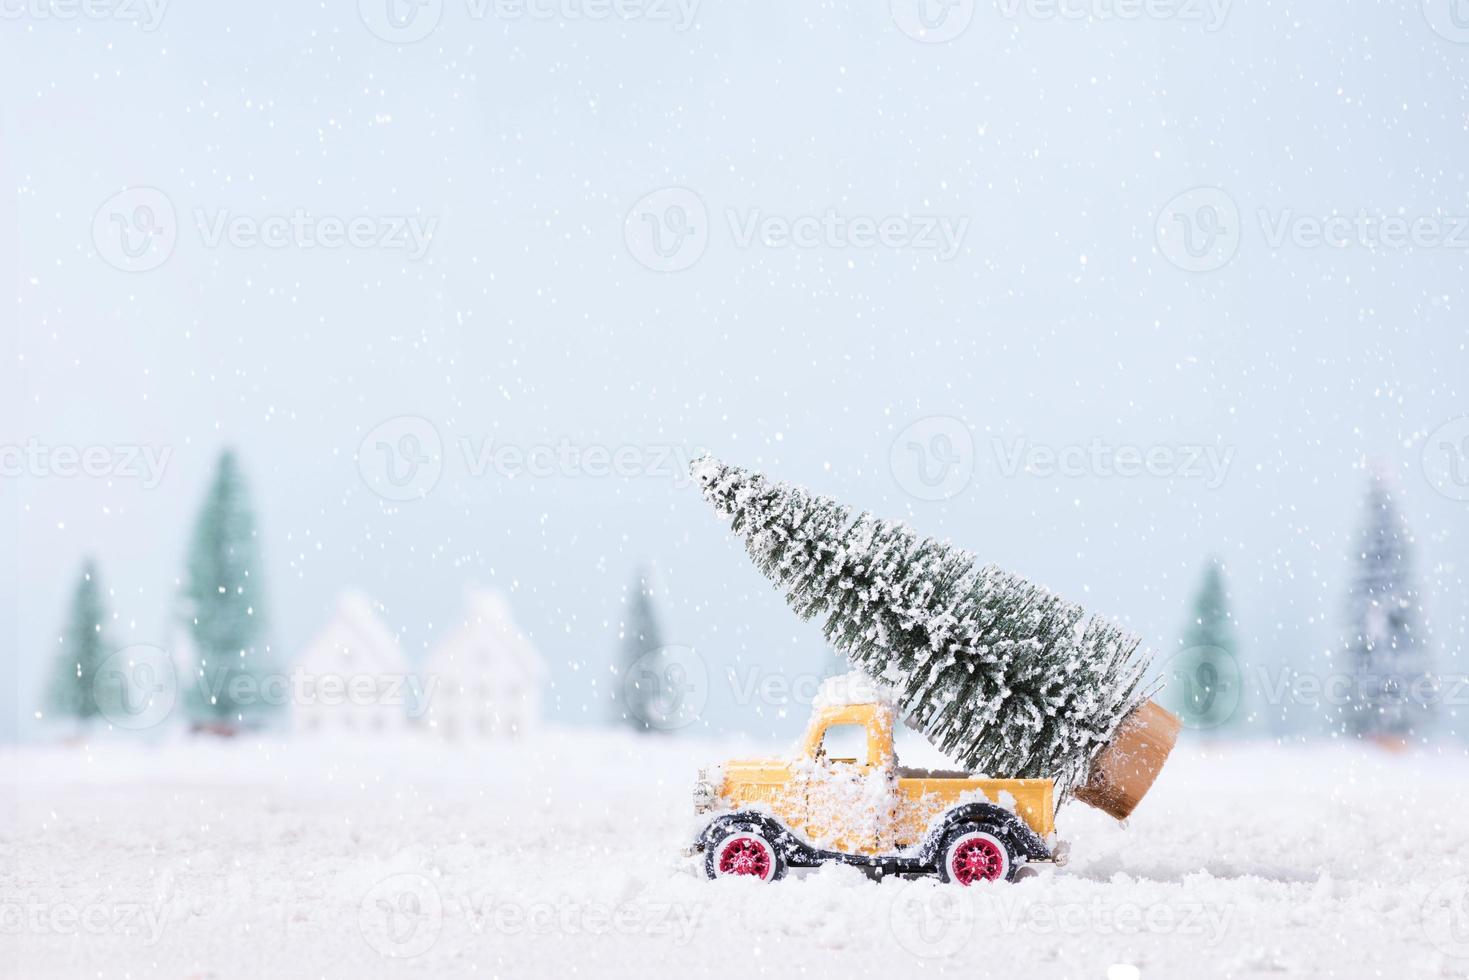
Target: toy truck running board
[{"x": 799, "y": 853}]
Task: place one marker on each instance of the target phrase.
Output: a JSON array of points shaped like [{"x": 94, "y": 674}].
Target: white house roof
[
  {"x": 354, "y": 638},
  {"x": 487, "y": 644}
]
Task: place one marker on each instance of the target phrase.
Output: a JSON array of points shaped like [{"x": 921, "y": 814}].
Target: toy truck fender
[
  {"x": 1004, "y": 824},
  {"x": 792, "y": 849}
]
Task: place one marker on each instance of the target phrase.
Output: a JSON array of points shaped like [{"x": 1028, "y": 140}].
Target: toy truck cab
[{"x": 842, "y": 796}]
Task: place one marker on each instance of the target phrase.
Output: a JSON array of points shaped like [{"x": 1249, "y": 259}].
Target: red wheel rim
[
  {"x": 745, "y": 856},
  {"x": 977, "y": 859}
]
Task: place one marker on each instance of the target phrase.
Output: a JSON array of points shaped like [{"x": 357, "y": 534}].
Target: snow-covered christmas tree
[
  {"x": 1386, "y": 654},
  {"x": 636, "y": 702},
  {"x": 223, "y": 610},
  {"x": 73, "y": 692},
  {"x": 1002, "y": 675},
  {"x": 1207, "y": 690}
]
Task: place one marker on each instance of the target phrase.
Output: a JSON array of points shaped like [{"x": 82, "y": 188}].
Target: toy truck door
[{"x": 849, "y": 781}]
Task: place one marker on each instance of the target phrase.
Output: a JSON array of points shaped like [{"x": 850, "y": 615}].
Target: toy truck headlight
[{"x": 705, "y": 794}]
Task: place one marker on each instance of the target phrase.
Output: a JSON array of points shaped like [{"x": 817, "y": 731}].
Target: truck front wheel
[
  {"x": 744, "y": 852},
  {"x": 974, "y": 853}
]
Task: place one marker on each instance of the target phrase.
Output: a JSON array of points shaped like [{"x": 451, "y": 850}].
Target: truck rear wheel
[
  {"x": 973, "y": 853},
  {"x": 744, "y": 852}
]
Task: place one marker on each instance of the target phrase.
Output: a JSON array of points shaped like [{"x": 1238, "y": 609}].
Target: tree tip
[{"x": 704, "y": 468}]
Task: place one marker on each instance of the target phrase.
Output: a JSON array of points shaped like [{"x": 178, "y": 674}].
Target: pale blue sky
[{"x": 525, "y": 143}]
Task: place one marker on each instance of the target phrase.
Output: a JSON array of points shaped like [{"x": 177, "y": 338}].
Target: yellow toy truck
[{"x": 862, "y": 808}]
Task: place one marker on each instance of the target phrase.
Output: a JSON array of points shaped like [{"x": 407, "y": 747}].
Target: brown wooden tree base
[
  {"x": 1125, "y": 769},
  {"x": 1391, "y": 743}
]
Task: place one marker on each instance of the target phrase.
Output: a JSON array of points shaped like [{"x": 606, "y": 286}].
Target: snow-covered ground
[{"x": 559, "y": 858}]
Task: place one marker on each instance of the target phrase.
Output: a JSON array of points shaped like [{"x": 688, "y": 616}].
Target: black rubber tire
[
  {"x": 720, "y": 837},
  {"x": 1014, "y": 860}
]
